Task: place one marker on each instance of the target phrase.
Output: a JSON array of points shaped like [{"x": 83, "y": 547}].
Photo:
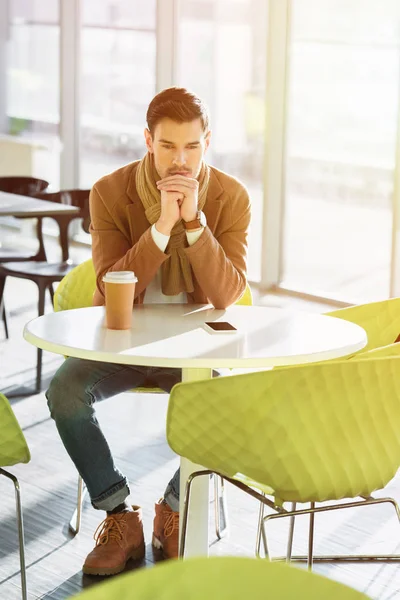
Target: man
[{"x": 182, "y": 227}]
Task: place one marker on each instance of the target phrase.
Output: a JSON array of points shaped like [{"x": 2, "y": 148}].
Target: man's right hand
[{"x": 170, "y": 211}]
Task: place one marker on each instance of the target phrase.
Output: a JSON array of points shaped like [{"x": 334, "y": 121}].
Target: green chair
[
  {"x": 14, "y": 450},
  {"x": 381, "y": 321},
  {"x": 225, "y": 578},
  {"x": 311, "y": 433},
  {"x": 76, "y": 291}
]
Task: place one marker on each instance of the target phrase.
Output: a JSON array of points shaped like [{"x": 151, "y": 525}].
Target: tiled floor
[{"x": 135, "y": 424}]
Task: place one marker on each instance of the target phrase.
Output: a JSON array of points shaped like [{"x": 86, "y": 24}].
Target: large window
[
  {"x": 32, "y": 86},
  {"x": 343, "y": 101},
  {"x": 330, "y": 100},
  {"x": 222, "y": 57},
  {"x": 118, "y": 81}
]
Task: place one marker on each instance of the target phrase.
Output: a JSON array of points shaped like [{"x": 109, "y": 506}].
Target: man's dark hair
[{"x": 179, "y": 105}]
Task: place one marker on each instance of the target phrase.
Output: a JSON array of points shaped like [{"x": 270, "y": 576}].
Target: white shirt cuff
[
  {"x": 193, "y": 236},
  {"x": 160, "y": 240}
]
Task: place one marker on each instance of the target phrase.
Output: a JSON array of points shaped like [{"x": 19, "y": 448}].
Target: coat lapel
[
  {"x": 213, "y": 205},
  {"x": 135, "y": 212}
]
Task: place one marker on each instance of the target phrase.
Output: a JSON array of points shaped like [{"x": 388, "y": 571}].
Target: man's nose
[{"x": 179, "y": 158}]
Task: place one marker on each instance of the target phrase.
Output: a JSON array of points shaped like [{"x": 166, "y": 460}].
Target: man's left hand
[{"x": 190, "y": 190}]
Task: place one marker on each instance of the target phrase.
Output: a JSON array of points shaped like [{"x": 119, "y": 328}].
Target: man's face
[{"x": 178, "y": 148}]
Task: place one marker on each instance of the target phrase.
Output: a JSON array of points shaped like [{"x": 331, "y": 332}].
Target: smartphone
[{"x": 219, "y": 327}]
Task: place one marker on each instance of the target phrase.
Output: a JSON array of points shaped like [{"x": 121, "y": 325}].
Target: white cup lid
[{"x": 120, "y": 277}]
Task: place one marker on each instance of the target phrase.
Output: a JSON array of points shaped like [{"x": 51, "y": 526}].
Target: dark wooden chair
[
  {"x": 44, "y": 273},
  {"x": 25, "y": 186}
]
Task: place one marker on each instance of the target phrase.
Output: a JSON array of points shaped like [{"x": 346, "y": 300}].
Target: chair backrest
[
  {"x": 13, "y": 446},
  {"x": 26, "y": 186},
  {"x": 247, "y": 298},
  {"x": 381, "y": 320},
  {"x": 312, "y": 433},
  {"x": 76, "y": 289},
  {"x": 78, "y": 198},
  {"x": 225, "y": 578}
]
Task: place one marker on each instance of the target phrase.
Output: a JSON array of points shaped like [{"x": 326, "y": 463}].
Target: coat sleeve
[
  {"x": 220, "y": 263},
  {"x": 112, "y": 251}
]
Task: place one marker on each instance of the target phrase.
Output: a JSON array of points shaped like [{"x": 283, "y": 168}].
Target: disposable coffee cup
[{"x": 120, "y": 292}]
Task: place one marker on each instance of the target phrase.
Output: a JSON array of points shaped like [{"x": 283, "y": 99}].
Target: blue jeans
[{"x": 75, "y": 388}]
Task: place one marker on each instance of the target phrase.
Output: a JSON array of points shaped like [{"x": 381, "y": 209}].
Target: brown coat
[{"x": 122, "y": 238}]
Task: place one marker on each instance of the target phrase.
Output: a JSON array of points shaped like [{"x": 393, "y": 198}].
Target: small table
[
  {"x": 15, "y": 205},
  {"x": 172, "y": 335}
]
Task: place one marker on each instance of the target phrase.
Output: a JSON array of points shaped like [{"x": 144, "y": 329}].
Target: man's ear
[
  {"x": 149, "y": 140},
  {"x": 207, "y": 141}
]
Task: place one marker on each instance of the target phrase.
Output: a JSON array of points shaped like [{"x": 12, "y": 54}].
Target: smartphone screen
[{"x": 221, "y": 326}]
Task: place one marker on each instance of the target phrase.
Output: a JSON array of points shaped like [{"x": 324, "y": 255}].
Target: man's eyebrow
[{"x": 162, "y": 141}]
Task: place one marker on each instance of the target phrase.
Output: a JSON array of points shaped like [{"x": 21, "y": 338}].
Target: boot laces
[
  {"x": 111, "y": 528},
  {"x": 171, "y": 524}
]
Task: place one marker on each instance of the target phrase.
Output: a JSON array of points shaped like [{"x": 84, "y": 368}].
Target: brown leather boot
[
  {"x": 118, "y": 538},
  {"x": 166, "y": 530}
]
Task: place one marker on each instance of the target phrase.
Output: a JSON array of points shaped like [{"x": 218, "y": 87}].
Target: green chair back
[
  {"x": 76, "y": 289},
  {"x": 247, "y": 298},
  {"x": 13, "y": 446},
  {"x": 225, "y": 578},
  {"x": 381, "y": 320},
  {"x": 311, "y": 433}
]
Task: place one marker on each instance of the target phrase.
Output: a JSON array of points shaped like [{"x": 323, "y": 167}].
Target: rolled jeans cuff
[
  {"x": 113, "y": 497},
  {"x": 171, "y": 494}
]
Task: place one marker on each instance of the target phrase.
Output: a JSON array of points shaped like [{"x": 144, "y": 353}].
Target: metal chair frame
[
  {"x": 20, "y": 524},
  {"x": 280, "y": 513},
  {"x": 220, "y": 508}
]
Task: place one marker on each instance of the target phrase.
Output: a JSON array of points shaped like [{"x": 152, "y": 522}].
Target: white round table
[{"x": 173, "y": 335}]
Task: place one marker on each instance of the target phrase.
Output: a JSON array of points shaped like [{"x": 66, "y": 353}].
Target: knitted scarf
[{"x": 176, "y": 273}]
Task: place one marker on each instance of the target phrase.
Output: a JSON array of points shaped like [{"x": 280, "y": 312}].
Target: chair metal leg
[
  {"x": 41, "y": 303},
  {"x": 291, "y": 535},
  {"x": 387, "y": 558},
  {"x": 4, "y": 317},
  {"x": 20, "y": 530},
  {"x": 185, "y": 515},
  {"x": 259, "y": 529},
  {"x": 220, "y": 507},
  {"x": 310, "y": 539},
  {"x": 265, "y": 541},
  {"x": 3, "y": 306},
  {"x": 280, "y": 513},
  {"x": 184, "y": 519},
  {"x": 76, "y": 519}
]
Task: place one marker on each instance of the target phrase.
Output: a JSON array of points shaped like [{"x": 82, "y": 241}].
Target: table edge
[{"x": 194, "y": 363}]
